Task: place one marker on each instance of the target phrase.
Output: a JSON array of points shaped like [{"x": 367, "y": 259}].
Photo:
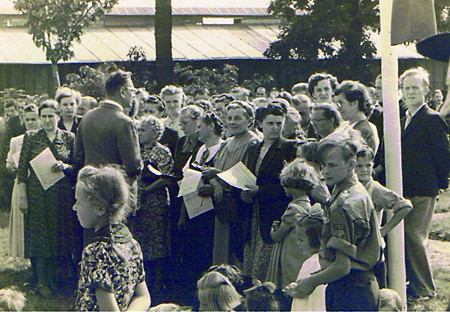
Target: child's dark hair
[
  {"x": 298, "y": 174},
  {"x": 107, "y": 190},
  {"x": 261, "y": 298},
  {"x": 365, "y": 151}
]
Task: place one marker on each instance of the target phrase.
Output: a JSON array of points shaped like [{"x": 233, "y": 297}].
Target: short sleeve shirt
[
  {"x": 351, "y": 228},
  {"x": 114, "y": 265}
]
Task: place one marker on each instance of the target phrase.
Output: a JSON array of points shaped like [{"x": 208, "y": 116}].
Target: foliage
[
  {"x": 140, "y": 67},
  {"x": 327, "y": 29},
  {"x": 259, "y": 80},
  {"x": 216, "y": 80},
  {"x": 442, "y": 9},
  {"x": 54, "y": 25},
  {"x": 90, "y": 81}
]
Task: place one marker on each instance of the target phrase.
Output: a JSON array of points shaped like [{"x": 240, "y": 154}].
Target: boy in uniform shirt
[
  {"x": 351, "y": 240},
  {"x": 382, "y": 198}
]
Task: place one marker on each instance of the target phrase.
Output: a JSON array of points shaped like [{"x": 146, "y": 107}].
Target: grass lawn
[{"x": 16, "y": 271}]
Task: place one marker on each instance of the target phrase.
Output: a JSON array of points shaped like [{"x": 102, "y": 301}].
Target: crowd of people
[{"x": 308, "y": 234}]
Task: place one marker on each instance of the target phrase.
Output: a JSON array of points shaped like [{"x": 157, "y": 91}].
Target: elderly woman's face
[
  {"x": 147, "y": 134},
  {"x": 237, "y": 121},
  {"x": 188, "y": 125}
]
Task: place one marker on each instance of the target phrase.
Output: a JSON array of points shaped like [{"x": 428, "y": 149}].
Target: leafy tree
[
  {"x": 442, "y": 9},
  {"x": 329, "y": 29},
  {"x": 336, "y": 31},
  {"x": 55, "y": 24}
]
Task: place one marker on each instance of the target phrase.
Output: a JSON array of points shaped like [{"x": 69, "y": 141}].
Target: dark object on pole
[{"x": 436, "y": 47}]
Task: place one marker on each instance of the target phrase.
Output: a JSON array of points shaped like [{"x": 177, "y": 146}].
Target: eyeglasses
[{"x": 316, "y": 121}]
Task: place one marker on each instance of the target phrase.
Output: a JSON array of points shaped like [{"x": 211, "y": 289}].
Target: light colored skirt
[{"x": 16, "y": 240}]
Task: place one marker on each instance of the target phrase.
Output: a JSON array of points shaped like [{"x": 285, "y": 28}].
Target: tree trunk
[
  {"x": 55, "y": 72},
  {"x": 163, "y": 40}
]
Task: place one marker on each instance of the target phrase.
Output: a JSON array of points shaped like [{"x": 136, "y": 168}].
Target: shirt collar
[
  {"x": 113, "y": 103},
  {"x": 411, "y": 114}
]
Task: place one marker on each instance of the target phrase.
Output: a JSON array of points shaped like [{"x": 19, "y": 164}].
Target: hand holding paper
[
  {"x": 239, "y": 176},
  {"x": 43, "y": 165}
]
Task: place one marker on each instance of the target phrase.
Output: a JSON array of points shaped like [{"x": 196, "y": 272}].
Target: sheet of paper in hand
[
  {"x": 42, "y": 165},
  {"x": 238, "y": 176}
]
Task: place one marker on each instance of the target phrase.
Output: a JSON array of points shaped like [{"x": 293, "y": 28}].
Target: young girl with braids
[{"x": 112, "y": 276}]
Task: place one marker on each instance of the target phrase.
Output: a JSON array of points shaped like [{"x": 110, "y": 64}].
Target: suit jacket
[
  {"x": 106, "y": 135},
  {"x": 271, "y": 196},
  {"x": 169, "y": 138},
  {"x": 425, "y": 154},
  {"x": 182, "y": 156}
]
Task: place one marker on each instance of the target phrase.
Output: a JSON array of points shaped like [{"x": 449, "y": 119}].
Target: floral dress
[
  {"x": 51, "y": 227},
  {"x": 151, "y": 224},
  {"x": 112, "y": 262}
]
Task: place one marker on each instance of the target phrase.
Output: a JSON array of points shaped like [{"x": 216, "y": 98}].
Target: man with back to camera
[{"x": 106, "y": 135}]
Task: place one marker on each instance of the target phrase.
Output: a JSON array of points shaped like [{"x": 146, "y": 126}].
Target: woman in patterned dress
[
  {"x": 112, "y": 276},
  {"x": 151, "y": 224},
  {"x": 48, "y": 217}
]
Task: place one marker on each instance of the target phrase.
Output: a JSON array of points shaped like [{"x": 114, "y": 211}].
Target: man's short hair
[
  {"x": 240, "y": 89},
  {"x": 365, "y": 151},
  {"x": 11, "y": 103},
  {"x": 201, "y": 91},
  {"x": 301, "y": 87},
  {"x": 297, "y": 99},
  {"x": 115, "y": 81},
  {"x": 347, "y": 146},
  {"x": 417, "y": 71},
  {"x": 329, "y": 111},
  {"x": 171, "y": 90},
  {"x": 315, "y": 78},
  {"x": 354, "y": 91},
  {"x": 31, "y": 108}
]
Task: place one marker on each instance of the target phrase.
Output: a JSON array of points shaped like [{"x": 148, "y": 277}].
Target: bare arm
[
  {"x": 396, "y": 219},
  {"x": 106, "y": 300},
  {"x": 337, "y": 270},
  {"x": 141, "y": 300}
]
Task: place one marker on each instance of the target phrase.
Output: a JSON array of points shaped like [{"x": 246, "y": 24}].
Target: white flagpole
[{"x": 393, "y": 162}]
